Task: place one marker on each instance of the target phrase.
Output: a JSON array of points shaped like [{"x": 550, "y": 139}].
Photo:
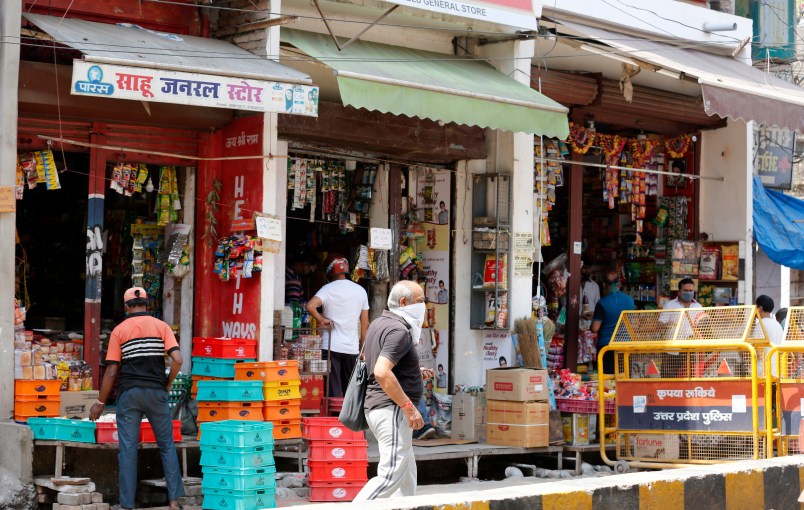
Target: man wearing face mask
[
  {"x": 394, "y": 384},
  {"x": 607, "y": 313},
  {"x": 685, "y": 298}
]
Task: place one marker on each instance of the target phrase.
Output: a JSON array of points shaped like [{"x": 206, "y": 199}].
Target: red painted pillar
[{"x": 94, "y": 253}]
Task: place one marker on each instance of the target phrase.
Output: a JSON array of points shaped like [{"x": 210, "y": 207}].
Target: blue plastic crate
[
  {"x": 237, "y": 434},
  {"x": 239, "y": 500},
  {"x": 214, "y": 367},
  {"x": 237, "y": 458},
  {"x": 238, "y": 479},
  {"x": 60, "y": 429},
  {"x": 229, "y": 391}
]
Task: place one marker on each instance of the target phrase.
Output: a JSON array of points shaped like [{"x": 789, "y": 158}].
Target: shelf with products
[
  {"x": 491, "y": 246},
  {"x": 720, "y": 272}
]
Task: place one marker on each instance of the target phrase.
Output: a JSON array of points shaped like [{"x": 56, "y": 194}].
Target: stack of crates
[
  {"x": 180, "y": 390},
  {"x": 214, "y": 361},
  {"x": 36, "y": 399},
  {"x": 337, "y": 460},
  {"x": 280, "y": 380},
  {"x": 237, "y": 465}
]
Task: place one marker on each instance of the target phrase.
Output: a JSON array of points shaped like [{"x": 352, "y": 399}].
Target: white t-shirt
[
  {"x": 775, "y": 334},
  {"x": 343, "y": 301},
  {"x": 590, "y": 290},
  {"x": 685, "y": 331}
]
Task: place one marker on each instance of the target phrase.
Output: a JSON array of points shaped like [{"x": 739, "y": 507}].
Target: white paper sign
[
  {"x": 640, "y": 403},
  {"x": 381, "y": 238},
  {"x": 268, "y": 227},
  {"x": 738, "y": 403}
]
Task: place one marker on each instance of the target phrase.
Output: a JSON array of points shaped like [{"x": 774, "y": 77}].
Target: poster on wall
[
  {"x": 433, "y": 203},
  {"x": 498, "y": 351}
]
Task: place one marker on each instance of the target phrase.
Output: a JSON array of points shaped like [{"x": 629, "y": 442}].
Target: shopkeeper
[
  {"x": 345, "y": 315},
  {"x": 590, "y": 290},
  {"x": 607, "y": 313},
  {"x": 685, "y": 298}
]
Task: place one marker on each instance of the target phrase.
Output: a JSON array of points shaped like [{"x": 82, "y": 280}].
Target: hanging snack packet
[
  {"x": 51, "y": 173},
  {"x": 117, "y": 176},
  {"x": 40, "y": 167},
  {"x": 20, "y": 182}
]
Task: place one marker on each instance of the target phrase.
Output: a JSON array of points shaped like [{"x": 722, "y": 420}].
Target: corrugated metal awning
[
  {"x": 730, "y": 88},
  {"x": 131, "y": 45},
  {"x": 422, "y": 84}
]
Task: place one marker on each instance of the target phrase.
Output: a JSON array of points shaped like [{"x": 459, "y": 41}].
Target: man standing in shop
[
  {"x": 394, "y": 383},
  {"x": 136, "y": 353},
  {"x": 607, "y": 313},
  {"x": 590, "y": 290},
  {"x": 345, "y": 314},
  {"x": 685, "y": 298}
]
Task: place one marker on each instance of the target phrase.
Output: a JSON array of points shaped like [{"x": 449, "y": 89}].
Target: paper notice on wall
[
  {"x": 381, "y": 238},
  {"x": 523, "y": 266},
  {"x": 8, "y": 200},
  {"x": 640, "y": 403},
  {"x": 523, "y": 243}
]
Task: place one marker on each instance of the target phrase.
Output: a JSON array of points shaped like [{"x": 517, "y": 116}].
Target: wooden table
[{"x": 580, "y": 450}]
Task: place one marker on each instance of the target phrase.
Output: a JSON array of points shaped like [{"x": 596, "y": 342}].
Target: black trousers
[{"x": 341, "y": 367}]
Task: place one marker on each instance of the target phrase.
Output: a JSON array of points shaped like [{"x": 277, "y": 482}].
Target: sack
[
  {"x": 187, "y": 412},
  {"x": 352, "y": 414}
]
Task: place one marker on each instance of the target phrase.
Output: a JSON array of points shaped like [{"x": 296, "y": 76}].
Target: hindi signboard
[
  {"x": 773, "y": 156},
  {"x": 160, "y": 86}
]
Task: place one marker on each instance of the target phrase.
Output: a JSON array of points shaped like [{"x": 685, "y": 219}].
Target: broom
[{"x": 525, "y": 329}]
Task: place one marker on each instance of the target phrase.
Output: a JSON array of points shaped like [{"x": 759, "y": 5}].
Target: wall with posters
[
  {"x": 433, "y": 194},
  {"x": 227, "y": 308}
]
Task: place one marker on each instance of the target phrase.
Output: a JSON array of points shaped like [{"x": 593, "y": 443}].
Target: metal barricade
[
  {"x": 690, "y": 387},
  {"x": 785, "y": 365}
]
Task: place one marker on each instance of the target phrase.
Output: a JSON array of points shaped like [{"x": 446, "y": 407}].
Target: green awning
[{"x": 435, "y": 86}]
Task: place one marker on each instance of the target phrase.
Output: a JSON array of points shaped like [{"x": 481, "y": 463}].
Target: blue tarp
[{"x": 775, "y": 226}]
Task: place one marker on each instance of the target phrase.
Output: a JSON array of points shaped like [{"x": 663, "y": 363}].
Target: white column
[
  {"x": 9, "y": 78},
  {"x": 188, "y": 283}
]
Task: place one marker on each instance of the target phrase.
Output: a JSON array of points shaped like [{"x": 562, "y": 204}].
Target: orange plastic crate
[
  {"x": 287, "y": 429},
  {"x": 285, "y": 370},
  {"x": 43, "y": 408},
  {"x": 34, "y": 390},
  {"x": 282, "y": 410},
  {"x": 217, "y": 411}
]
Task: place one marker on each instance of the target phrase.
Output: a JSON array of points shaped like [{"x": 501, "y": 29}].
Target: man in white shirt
[
  {"x": 685, "y": 298},
  {"x": 345, "y": 314},
  {"x": 773, "y": 329},
  {"x": 590, "y": 290}
]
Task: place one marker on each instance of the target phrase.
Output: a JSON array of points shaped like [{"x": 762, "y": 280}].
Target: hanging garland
[
  {"x": 612, "y": 145},
  {"x": 642, "y": 151},
  {"x": 677, "y": 147},
  {"x": 581, "y": 138}
]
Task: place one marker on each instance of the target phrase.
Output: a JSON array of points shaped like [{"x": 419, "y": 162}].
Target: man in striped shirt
[{"x": 136, "y": 355}]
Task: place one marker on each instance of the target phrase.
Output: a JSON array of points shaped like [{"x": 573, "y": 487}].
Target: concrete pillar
[
  {"x": 380, "y": 218},
  {"x": 10, "y": 63}
]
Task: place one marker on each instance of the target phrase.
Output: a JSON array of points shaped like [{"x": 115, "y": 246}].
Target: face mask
[
  {"x": 414, "y": 316},
  {"x": 686, "y": 296}
]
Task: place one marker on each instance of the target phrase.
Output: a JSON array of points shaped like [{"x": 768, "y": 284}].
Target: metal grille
[
  {"x": 720, "y": 324},
  {"x": 681, "y": 447},
  {"x": 794, "y": 332},
  {"x": 789, "y": 445},
  {"x": 685, "y": 365}
]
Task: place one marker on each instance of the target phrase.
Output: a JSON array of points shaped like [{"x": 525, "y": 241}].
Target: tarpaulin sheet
[{"x": 779, "y": 225}]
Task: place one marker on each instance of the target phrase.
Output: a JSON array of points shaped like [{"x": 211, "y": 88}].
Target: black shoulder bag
[{"x": 353, "y": 415}]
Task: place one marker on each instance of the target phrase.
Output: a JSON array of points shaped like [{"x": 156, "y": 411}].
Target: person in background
[
  {"x": 394, "y": 383},
  {"x": 772, "y": 327},
  {"x": 590, "y": 290},
  {"x": 443, "y": 214},
  {"x": 685, "y": 298},
  {"x": 607, "y": 313},
  {"x": 345, "y": 314},
  {"x": 781, "y": 316},
  {"x": 443, "y": 293},
  {"x": 136, "y": 355},
  {"x": 293, "y": 283}
]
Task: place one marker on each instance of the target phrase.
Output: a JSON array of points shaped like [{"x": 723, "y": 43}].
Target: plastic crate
[
  {"x": 285, "y": 370},
  {"x": 240, "y": 411},
  {"x": 236, "y": 434},
  {"x": 331, "y": 406},
  {"x": 569, "y": 405},
  {"x": 335, "y": 471},
  {"x": 229, "y": 391},
  {"x": 239, "y": 500},
  {"x": 329, "y": 429},
  {"x": 287, "y": 429},
  {"x": 346, "y": 451},
  {"x": 24, "y": 409},
  {"x": 282, "y": 410},
  {"x": 214, "y": 367},
  {"x": 225, "y": 348},
  {"x": 238, "y": 479},
  {"x": 237, "y": 458},
  {"x": 60, "y": 429},
  {"x": 334, "y": 491},
  {"x": 147, "y": 432},
  {"x": 106, "y": 432},
  {"x": 197, "y": 379},
  {"x": 34, "y": 390},
  {"x": 281, "y": 390}
]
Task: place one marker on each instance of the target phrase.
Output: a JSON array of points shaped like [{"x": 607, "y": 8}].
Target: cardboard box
[
  {"x": 656, "y": 446},
  {"x": 577, "y": 428},
  {"x": 527, "y": 436},
  {"x": 469, "y": 416},
  {"x": 518, "y": 413},
  {"x": 312, "y": 391},
  {"x": 76, "y": 404},
  {"x": 517, "y": 384}
]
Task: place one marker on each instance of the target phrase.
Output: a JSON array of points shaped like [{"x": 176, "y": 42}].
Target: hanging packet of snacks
[
  {"x": 40, "y": 168},
  {"x": 51, "y": 173},
  {"x": 19, "y": 188},
  {"x": 117, "y": 178},
  {"x": 168, "y": 198}
]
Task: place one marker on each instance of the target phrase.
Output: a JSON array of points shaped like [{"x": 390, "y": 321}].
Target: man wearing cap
[
  {"x": 136, "y": 355},
  {"x": 345, "y": 314}
]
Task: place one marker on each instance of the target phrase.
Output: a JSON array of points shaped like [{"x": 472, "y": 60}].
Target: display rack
[{"x": 491, "y": 247}]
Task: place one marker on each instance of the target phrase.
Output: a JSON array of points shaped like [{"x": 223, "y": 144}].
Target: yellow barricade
[
  {"x": 690, "y": 387},
  {"x": 784, "y": 365}
]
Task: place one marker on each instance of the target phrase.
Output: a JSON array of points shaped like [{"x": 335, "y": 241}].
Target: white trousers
[{"x": 396, "y": 472}]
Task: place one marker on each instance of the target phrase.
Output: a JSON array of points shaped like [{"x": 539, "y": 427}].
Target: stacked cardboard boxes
[
  {"x": 469, "y": 416},
  {"x": 517, "y": 411}
]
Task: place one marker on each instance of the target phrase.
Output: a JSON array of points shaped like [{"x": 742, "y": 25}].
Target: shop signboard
[
  {"x": 792, "y": 406},
  {"x": 162, "y": 86},
  {"x": 230, "y": 307},
  {"x": 773, "y": 156},
  {"x": 513, "y": 13},
  {"x": 703, "y": 405}
]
